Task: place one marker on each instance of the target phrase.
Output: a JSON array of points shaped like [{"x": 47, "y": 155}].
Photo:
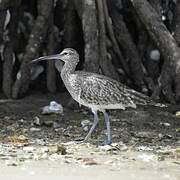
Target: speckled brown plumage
[
  {"x": 95, "y": 91},
  {"x": 102, "y": 91}
]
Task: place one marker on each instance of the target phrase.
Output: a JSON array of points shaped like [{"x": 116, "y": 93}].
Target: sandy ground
[
  {"x": 146, "y": 143},
  {"x": 46, "y": 170}
]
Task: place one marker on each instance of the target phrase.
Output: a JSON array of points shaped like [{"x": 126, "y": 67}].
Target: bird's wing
[{"x": 100, "y": 90}]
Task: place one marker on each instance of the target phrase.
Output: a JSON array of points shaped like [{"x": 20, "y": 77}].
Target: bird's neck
[{"x": 68, "y": 69}]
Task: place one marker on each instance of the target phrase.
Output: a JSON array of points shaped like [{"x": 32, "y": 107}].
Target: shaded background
[{"x": 135, "y": 42}]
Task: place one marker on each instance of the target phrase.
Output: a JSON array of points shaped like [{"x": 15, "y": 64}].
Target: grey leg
[
  {"x": 96, "y": 120},
  {"x": 106, "y": 117}
]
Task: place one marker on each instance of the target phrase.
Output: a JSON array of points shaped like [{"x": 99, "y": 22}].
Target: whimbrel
[{"x": 95, "y": 91}]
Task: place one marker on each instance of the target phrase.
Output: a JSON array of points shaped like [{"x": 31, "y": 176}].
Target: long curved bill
[{"x": 44, "y": 58}]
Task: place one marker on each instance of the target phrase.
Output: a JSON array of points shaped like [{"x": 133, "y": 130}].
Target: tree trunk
[
  {"x": 36, "y": 37},
  {"x": 176, "y": 34},
  {"x": 90, "y": 31},
  {"x": 112, "y": 37},
  {"x": 9, "y": 39},
  {"x": 105, "y": 63},
  {"x": 127, "y": 44},
  {"x": 9, "y": 57},
  {"x": 164, "y": 41},
  {"x": 51, "y": 49},
  {"x": 176, "y": 23},
  {"x": 2, "y": 20}
]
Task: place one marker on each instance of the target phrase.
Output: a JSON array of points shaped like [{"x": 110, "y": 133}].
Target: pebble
[
  {"x": 56, "y": 125},
  {"x": 48, "y": 123},
  {"x": 144, "y": 148},
  {"x": 21, "y": 120},
  {"x": 146, "y": 157},
  {"x": 33, "y": 129},
  {"x": 85, "y": 124},
  {"x": 37, "y": 121},
  {"x": 88, "y": 161},
  {"x": 120, "y": 146},
  {"x": 22, "y": 137},
  {"x": 53, "y": 108},
  {"x": 178, "y": 114},
  {"x": 11, "y": 163},
  {"x": 165, "y": 124},
  {"x": 28, "y": 148}
]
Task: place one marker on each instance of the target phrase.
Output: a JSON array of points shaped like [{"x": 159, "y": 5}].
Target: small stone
[
  {"x": 40, "y": 142},
  {"x": 44, "y": 149},
  {"x": 11, "y": 163},
  {"x": 146, "y": 157},
  {"x": 143, "y": 134},
  {"x": 24, "y": 130},
  {"x": 28, "y": 148},
  {"x": 48, "y": 123},
  {"x": 37, "y": 121},
  {"x": 7, "y": 118},
  {"x": 86, "y": 128},
  {"x": 107, "y": 148},
  {"x": 22, "y": 138},
  {"x": 70, "y": 143},
  {"x": 165, "y": 124},
  {"x": 44, "y": 156},
  {"x": 121, "y": 146},
  {"x": 85, "y": 124},
  {"x": 178, "y": 143},
  {"x": 33, "y": 129},
  {"x": 115, "y": 147},
  {"x": 57, "y": 129},
  {"x": 144, "y": 148},
  {"x": 109, "y": 162},
  {"x": 10, "y": 128},
  {"x": 168, "y": 136},
  {"x": 177, "y": 150},
  {"x": 21, "y": 120},
  {"x": 178, "y": 114},
  {"x": 53, "y": 108},
  {"x": 56, "y": 125},
  {"x": 52, "y": 149},
  {"x": 89, "y": 161},
  {"x": 160, "y": 135},
  {"x": 161, "y": 158},
  {"x": 61, "y": 150}
]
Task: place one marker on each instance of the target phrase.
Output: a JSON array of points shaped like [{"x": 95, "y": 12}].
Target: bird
[{"x": 95, "y": 91}]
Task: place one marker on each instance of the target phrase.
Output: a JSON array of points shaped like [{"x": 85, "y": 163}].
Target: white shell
[
  {"x": 155, "y": 55},
  {"x": 53, "y": 107}
]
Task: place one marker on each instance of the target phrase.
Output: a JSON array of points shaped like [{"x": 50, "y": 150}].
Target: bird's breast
[{"x": 73, "y": 86}]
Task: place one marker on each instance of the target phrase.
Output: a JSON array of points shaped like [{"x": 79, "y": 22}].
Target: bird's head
[{"x": 67, "y": 55}]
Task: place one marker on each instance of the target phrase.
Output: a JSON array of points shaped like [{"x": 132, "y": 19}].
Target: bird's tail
[
  {"x": 142, "y": 99},
  {"x": 152, "y": 103}
]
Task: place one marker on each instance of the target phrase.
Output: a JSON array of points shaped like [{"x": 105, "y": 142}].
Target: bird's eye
[{"x": 65, "y": 53}]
